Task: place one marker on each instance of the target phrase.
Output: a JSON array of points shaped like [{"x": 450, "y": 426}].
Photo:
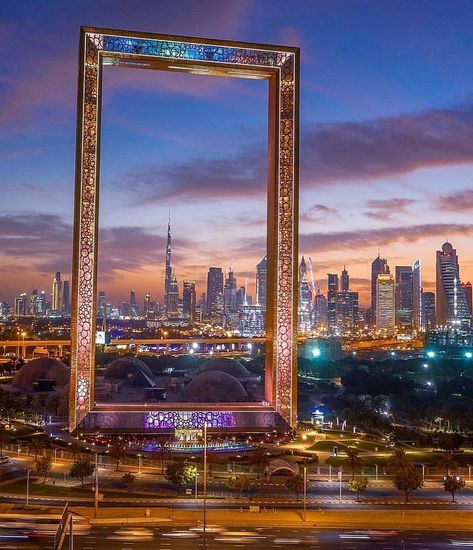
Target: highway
[{"x": 182, "y": 538}]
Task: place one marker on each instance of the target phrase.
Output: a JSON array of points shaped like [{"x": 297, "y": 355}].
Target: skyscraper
[
  {"x": 230, "y": 299},
  {"x": 403, "y": 296},
  {"x": 57, "y": 293},
  {"x": 468, "y": 296},
  {"x": 385, "y": 303},
  {"x": 417, "y": 309},
  {"x": 320, "y": 309},
  {"x": 66, "y": 298},
  {"x": 451, "y": 307},
  {"x": 21, "y": 305},
  {"x": 305, "y": 298},
  {"x": 173, "y": 297},
  {"x": 188, "y": 299},
  {"x": 167, "y": 270},
  {"x": 428, "y": 311},
  {"x": 261, "y": 282},
  {"x": 344, "y": 280},
  {"x": 332, "y": 289},
  {"x": 215, "y": 293},
  {"x": 101, "y": 304},
  {"x": 379, "y": 266}
]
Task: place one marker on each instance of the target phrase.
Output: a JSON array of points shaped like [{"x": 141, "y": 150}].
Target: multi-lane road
[{"x": 183, "y": 538}]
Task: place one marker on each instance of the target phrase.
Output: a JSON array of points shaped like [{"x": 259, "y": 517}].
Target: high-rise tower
[
  {"x": 417, "y": 309},
  {"x": 452, "y": 306},
  {"x": 305, "y": 298},
  {"x": 385, "y": 303},
  {"x": 215, "y": 293},
  {"x": 57, "y": 293},
  {"x": 378, "y": 267},
  {"x": 167, "y": 269},
  {"x": 261, "y": 281}
]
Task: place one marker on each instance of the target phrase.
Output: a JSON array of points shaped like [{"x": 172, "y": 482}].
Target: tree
[
  {"x": 81, "y": 468},
  {"x": 37, "y": 443},
  {"x": 161, "y": 440},
  {"x": 447, "y": 461},
  {"x": 450, "y": 442},
  {"x": 353, "y": 461},
  {"x": 406, "y": 478},
  {"x": 295, "y": 484},
  {"x": 75, "y": 448},
  {"x": 117, "y": 452},
  {"x": 358, "y": 486},
  {"x": 4, "y": 438},
  {"x": 260, "y": 461},
  {"x": 452, "y": 484},
  {"x": 239, "y": 483},
  {"x": 180, "y": 473},
  {"x": 43, "y": 467}
]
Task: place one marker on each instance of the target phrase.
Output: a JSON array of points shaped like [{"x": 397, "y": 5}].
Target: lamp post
[
  {"x": 96, "y": 494},
  {"x": 27, "y": 487},
  {"x": 340, "y": 475},
  {"x": 196, "y": 486},
  {"x": 23, "y": 350},
  {"x": 205, "y": 482},
  {"x": 305, "y": 493}
]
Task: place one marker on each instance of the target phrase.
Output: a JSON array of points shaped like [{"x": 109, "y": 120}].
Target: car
[{"x": 4, "y": 459}]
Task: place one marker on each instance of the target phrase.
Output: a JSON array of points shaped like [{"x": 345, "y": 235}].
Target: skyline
[{"x": 385, "y": 158}]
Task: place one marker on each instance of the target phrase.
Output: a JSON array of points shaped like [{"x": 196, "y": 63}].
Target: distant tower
[
  {"x": 403, "y": 296},
  {"x": 428, "y": 311},
  {"x": 345, "y": 280},
  {"x": 305, "y": 298},
  {"x": 385, "y": 303},
  {"x": 57, "y": 293},
  {"x": 188, "y": 299},
  {"x": 167, "y": 269},
  {"x": 230, "y": 299},
  {"x": 417, "y": 309},
  {"x": 261, "y": 281},
  {"x": 379, "y": 266},
  {"x": 173, "y": 297},
  {"x": 332, "y": 289},
  {"x": 452, "y": 306},
  {"x": 215, "y": 293},
  {"x": 66, "y": 298}
]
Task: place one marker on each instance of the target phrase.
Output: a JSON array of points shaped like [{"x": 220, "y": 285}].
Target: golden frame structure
[{"x": 279, "y": 65}]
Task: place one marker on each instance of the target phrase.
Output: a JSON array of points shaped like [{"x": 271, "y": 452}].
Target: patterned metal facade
[{"x": 279, "y": 65}]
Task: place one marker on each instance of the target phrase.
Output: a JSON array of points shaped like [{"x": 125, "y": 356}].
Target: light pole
[
  {"x": 27, "y": 487},
  {"x": 140, "y": 458},
  {"x": 96, "y": 495},
  {"x": 205, "y": 482},
  {"x": 23, "y": 350},
  {"x": 196, "y": 486},
  {"x": 340, "y": 475},
  {"x": 305, "y": 493}
]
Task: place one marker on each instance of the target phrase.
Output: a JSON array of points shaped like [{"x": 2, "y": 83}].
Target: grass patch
[{"x": 327, "y": 446}]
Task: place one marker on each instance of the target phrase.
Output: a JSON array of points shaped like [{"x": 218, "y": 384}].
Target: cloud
[
  {"x": 371, "y": 238},
  {"x": 381, "y": 147},
  {"x": 317, "y": 213},
  {"x": 460, "y": 201},
  {"x": 243, "y": 174},
  {"x": 386, "y": 208}
]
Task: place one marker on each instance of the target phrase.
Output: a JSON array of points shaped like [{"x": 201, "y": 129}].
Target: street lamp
[
  {"x": 305, "y": 493},
  {"x": 468, "y": 354}
]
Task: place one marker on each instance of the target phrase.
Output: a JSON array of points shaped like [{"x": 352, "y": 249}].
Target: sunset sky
[{"x": 386, "y": 141}]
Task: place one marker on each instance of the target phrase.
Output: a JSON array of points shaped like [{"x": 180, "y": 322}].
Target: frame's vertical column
[
  {"x": 286, "y": 321},
  {"x": 85, "y": 231}
]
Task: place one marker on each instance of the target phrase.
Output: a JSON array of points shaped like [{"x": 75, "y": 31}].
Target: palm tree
[
  {"x": 353, "y": 461},
  {"x": 3, "y": 437},
  {"x": 117, "y": 451},
  {"x": 259, "y": 459},
  {"x": 162, "y": 440},
  {"x": 36, "y": 443},
  {"x": 448, "y": 462}
]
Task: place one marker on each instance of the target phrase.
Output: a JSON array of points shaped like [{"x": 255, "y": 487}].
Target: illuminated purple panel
[{"x": 188, "y": 419}]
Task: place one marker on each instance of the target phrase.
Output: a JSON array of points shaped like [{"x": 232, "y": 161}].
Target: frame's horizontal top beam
[
  {"x": 190, "y": 39},
  {"x": 116, "y": 341},
  {"x": 194, "y": 66}
]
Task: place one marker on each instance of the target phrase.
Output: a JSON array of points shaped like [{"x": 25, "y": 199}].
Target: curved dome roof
[
  {"x": 42, "y": 367},
  {"x": 281, "y": 465},
  {"x": 122, "y": 368},
  {"x": 447, "y": 248},
  {"x": 214, "y": 387},
  {"x": 223, "y": 364}
]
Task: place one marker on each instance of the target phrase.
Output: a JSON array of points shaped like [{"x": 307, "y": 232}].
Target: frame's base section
[{"x": 149, "y": 422}]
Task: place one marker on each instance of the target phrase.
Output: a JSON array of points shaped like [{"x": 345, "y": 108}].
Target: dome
[
  {"x": 223, "y": 364},
  {"x": 282, "y": 466},
  {"x": 122, "y": 368},
  {"x": 447, "y": 248},
  {"x": 214, "y": 387},
  {"x": 43, "y": 367}
]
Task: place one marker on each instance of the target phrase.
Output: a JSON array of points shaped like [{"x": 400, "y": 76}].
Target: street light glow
[
  {"x": 431, "y": 354},
  {"x": 468, "y": 354},
  {"x": 316, "y": 352}
]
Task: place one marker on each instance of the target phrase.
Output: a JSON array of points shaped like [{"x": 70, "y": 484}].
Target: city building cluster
[{"x": 399, "y": 303}]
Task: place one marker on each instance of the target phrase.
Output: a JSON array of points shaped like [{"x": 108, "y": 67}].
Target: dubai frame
[{"x": 278, "y": 65}]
